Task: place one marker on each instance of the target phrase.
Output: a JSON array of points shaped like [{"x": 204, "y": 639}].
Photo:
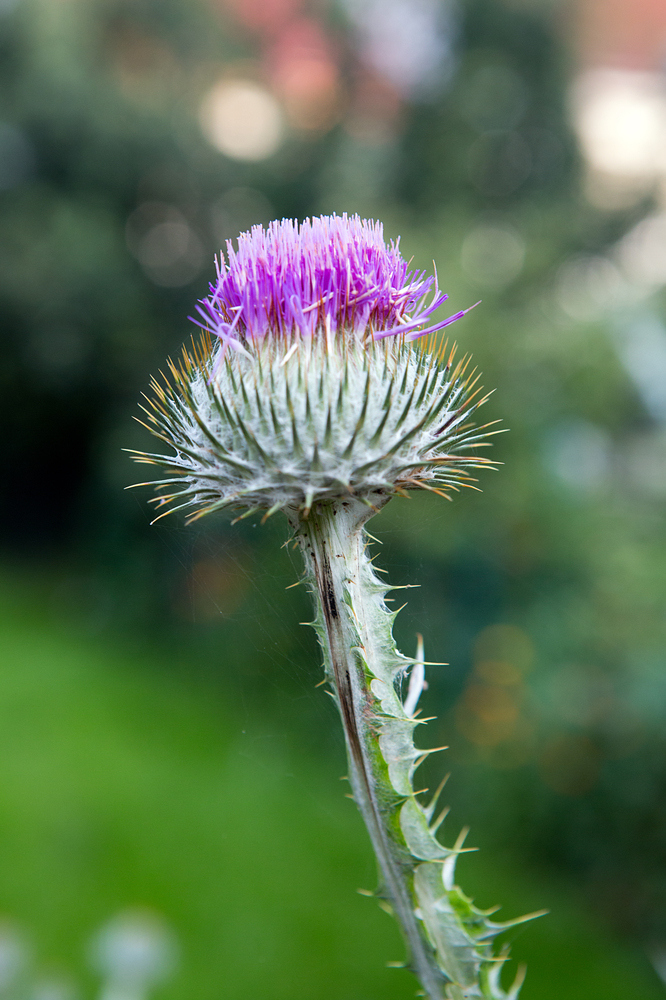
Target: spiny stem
[
  {"x": 333, "y": 546},
  {"x": 450, "y": 941}
]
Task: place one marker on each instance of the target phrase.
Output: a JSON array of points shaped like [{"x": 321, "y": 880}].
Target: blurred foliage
[
  {"x": 545, "y": 594},
  {"x": 149, "y": 786}
]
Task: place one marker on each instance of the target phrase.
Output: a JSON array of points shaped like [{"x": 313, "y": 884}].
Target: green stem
[
  {"x": 449, "y": 940},
  {"x": 333, "y": 544}
]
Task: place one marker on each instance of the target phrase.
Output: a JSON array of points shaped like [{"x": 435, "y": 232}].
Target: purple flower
[{"x": 330, "y": 273}]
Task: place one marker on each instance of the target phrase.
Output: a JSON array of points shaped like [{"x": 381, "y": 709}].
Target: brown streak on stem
[{"x": 326, "y": 587}]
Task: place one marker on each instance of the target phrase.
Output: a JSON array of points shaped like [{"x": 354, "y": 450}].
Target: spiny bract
[{"x": 304, "y": 386}]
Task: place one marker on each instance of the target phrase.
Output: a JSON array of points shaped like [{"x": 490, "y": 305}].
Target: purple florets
[{"x": 330, "y": 273}]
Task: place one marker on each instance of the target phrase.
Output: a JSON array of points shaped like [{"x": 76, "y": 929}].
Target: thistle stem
[{"x": 354, "y": 628}]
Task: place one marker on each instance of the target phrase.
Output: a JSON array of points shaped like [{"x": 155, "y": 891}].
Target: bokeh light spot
[
  {"x": 620, "y": 117},
  {"x": 164, "y": 243},
  {"x": 409, "y": 42},
  {"x": 642, "y": 252},
  {"x": 304, "y": 72},
  {"x": 242, "y": 119},
  {"x": 133, "y": 951},
  {"x": 14, "y": 956},
  {"x": 588, "y": 286}
]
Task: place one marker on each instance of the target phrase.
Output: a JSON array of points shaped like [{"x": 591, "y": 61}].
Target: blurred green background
[{"x": 162, "y": 743}]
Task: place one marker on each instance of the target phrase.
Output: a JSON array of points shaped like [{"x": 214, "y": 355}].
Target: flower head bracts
[
  {"x": 270, "y": 427},
  {"x": 330, "y": 273}
]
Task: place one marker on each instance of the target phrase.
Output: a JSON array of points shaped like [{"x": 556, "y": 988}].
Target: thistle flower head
[
  {"x": 304, "y": 387},
  {"x": 329, "y": 274}
]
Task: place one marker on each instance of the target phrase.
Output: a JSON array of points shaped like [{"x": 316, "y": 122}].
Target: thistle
[{"x": 305, "y": 394}]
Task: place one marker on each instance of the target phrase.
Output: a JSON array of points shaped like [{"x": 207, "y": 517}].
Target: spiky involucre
[{"x": 289, "y": 422}]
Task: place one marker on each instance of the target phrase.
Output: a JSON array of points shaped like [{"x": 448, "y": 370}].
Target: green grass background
[{"x": 125, "y": 783}]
